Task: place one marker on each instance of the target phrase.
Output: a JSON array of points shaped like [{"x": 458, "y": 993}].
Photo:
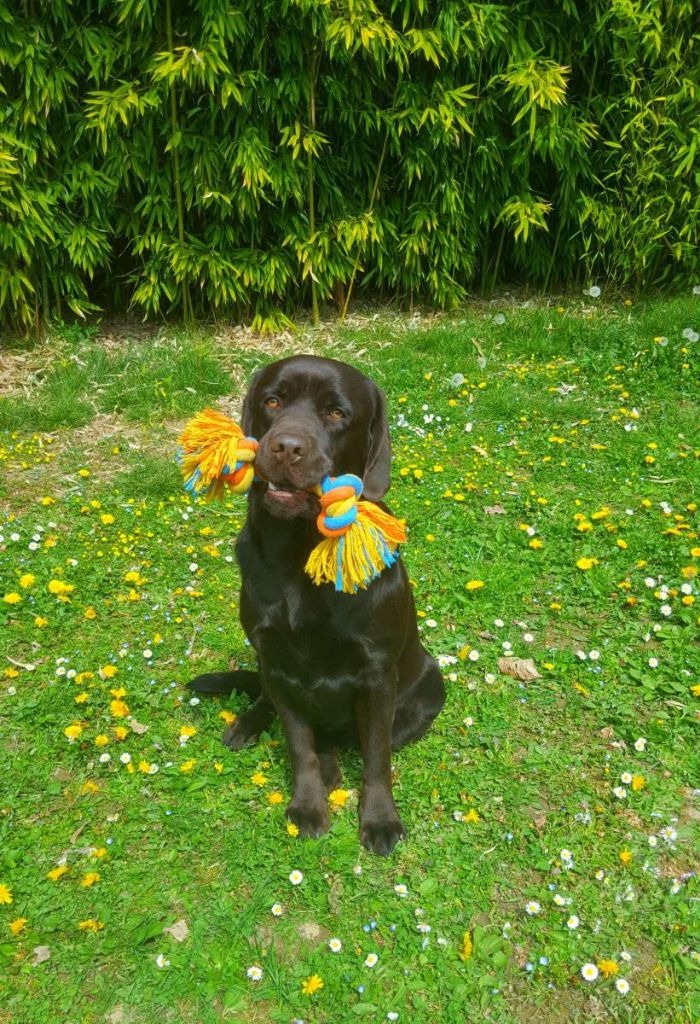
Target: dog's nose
[{"x": 289, "y": 446}]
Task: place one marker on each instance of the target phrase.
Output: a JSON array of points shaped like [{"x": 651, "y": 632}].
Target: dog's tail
[{"x": 218, "y": 683}]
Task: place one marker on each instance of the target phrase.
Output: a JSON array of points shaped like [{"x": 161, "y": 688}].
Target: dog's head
[{"x": 313, "y": 417}]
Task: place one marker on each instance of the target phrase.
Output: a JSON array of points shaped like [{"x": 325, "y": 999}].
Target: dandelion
[
  {"x": 638, "y": 783},
  {"x": 89, "y": 879},
  {"x": 625, "y": 857},
  {"x": 72, "y": 732},
  {"x": 335, "y": 945},
  {"x": 586, "y": 563},
  {"x": 17, "y": 925},
  {"x": 258, "y": 779},
  {"x": 5, "y": 894},
  {"x": 275, "y": 798},
  {"x": 91, "y": 924},
  {"x": 254, "y": 973},
  {"x": 622, "y": 986},
  {"x": 466, "y": 948},
  {"x": 589, "y": 972},
  {"x": 608, "y": 968},
  {"x": 296, "y": 878},
  {"x": 475, "y": 585},
  {"x": 471, "y": 817},
  {"x": 371, "y": 960},
  {"x": 338, "y": 798},
  {"x": 312, "y": 985},
  {"x": 188, "y": 765},
  {"x": 293, "y": 831}
]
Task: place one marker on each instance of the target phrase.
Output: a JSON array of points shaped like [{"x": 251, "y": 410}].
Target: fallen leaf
[
  {"x": 480, "y": 451},
  {"x": 179, "y": 930},
  {"x": 607, "y": 733},
  {"x": 41, "y": 954},
  {"x": 518, "y": 668},
  {"x": 116, "y": 1016},
  {"x": 484, "y": 634},
  {"x": 137, "y": 727},
  {"x": 494, "y": 510}
]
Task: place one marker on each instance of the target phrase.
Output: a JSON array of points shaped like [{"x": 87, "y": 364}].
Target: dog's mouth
[{"x": 286, "y": 499}]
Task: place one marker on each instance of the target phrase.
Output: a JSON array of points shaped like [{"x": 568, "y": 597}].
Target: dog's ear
[
  {"x": 376, "y": 476},
  {"x": 248, "y": 411}
]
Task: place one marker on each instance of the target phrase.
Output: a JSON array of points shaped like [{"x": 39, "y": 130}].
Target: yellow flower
[
  {"x": 586, "y": 563},
  {"x": 5, "y": 894},
  {"x": 90, "y": 612},
  {"x": 695, "y": 552},
  {"x": 471, "y": 817},
  {"x": 292, "y": 830},
  {"x": 118, "y": 692},
  {"x": 695, "y": 690},
  {"x": 187, "y": 766},
  {"x": 10, "y": 672},
  {"x": 621, "y": 543},
  {"x": 188, "y": 730},
  {"x": 228, "y": 717},
  {"x": 607, "y": 968},
  {"x": 475, "y": 585},
  {"x": 72, "y": 732},
  {"x": 27, "y": 580},
  {"x": 84, "y": 473},
  {"x": 17, "y": 925},
  {"x": 80, "y": 698},
  {"x": 59, "y": 587},
  {"x": 121, "y": 732},
  {"x": 218, "y": 766},
  {"x": 90, "y": 787},
  {"x": 107, "y": 518},
  {"x": 90, "y": 924},
  {"x": 144, "y": 767},
  {"x": 258, "y": 779},
  {"x": 90, "y": 878},
  {"x": 101, "y": 740},
  {"x": 466, "y": 948},
  {"x": 625, "y": 857},
  {"x": 108, "y": 671},
  {"x": 312, "y": 985},
  {"x": 40, "y": 621},
  {"x": 687, "y": 600},
  {"x": 13, "y": 598},
  {"x": 48, "y": 501},
  {"x": 338, "y": 797},
  {"x": 99, "y": 852},
  {"x": 535, "y": 544},
  {"x": 58, "y": 872},
  {"x": 275, "y": 798},
  {"x": 118, "y": 709}
]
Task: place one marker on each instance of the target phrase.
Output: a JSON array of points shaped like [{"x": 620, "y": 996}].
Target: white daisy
[
  {"x": 622, "y": 986},
  {"x": 371, "y": 960},
  {"x": 401, "y": 889},
  {"x": 296, "y": 878},
  {"x": 626, "y": 778},
  {"x": 255, "y": 973},
  {"x": 620, "y": 792},
  {"x": 653, "y": 663},
  {"x": 589, "y": 972},
  {"x": 532, "y": 908},
  {"x": 573, "y": 922},
  {"x": 335, "y": 945},
  {"x": 640, "y": 744},
  {"x": 161, "y": 961},
  {"x": 277, "y": 910}
]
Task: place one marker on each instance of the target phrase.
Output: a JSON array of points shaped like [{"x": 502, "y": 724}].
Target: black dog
[{"x": 338, "y": 669}]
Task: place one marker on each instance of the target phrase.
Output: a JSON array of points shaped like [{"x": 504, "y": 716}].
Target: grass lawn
[{"x": 551, "y": 492}]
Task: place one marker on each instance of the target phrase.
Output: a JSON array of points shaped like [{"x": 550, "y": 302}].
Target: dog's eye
[
  {"x": 272, "y": 402},
  {"x": 336, "y": 414}
]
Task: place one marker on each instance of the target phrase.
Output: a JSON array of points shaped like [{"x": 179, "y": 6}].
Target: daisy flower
[
  {"x": 622, "y": 986},
  {"x": 276, "y": 909},
  {"x": 254, "y": 973},
  {"x": 589, "y": 972},
  {"x": 371, "y": 960},
  {"x": 640, "y": 744},
  {"x": 296, "y": 878},
  {"x": 573, "y": 922},
  {"x": 532, "y": 908},
  {"x": 335, "y": 945}
]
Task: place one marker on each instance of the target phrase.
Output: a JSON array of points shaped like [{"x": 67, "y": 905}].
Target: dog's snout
[{"x": 289, "y": 445}]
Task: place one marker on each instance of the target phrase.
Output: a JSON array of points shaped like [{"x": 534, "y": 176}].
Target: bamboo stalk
[
  {"x": 313, "y": 68},
  {"x": 186, "y": 302}
]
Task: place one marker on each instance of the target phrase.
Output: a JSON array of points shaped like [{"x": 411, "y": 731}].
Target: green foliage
[{"x": 199, "y": 158}]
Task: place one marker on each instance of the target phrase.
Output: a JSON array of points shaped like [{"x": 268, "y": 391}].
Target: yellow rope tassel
[{"x": 214, "y": 453}]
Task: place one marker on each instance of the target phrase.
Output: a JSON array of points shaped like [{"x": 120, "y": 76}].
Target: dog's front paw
[
  {"x": 311, "y": 819},
  {"x": 381, "y": 837}
]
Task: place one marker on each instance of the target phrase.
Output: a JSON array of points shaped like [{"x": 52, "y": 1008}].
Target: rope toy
[{"x": 359, "y": 539}]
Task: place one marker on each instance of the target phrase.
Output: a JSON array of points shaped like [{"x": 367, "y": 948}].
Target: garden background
[{"x": 206, "y": 157}]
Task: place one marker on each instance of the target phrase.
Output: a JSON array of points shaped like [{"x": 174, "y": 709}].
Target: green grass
[{"x": 538, "y": 761}]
